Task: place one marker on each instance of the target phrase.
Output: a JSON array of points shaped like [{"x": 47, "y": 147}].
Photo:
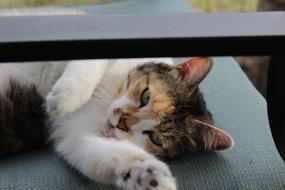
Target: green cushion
[{"x": 253, "y": 163}]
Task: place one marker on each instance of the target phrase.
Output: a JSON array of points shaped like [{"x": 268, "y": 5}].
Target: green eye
[
  {"x": 145, "y": 97},
  {"x": 154, "y": 137}
]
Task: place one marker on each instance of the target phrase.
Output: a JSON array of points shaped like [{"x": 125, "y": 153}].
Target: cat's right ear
[{"x": 194, "y": 70}]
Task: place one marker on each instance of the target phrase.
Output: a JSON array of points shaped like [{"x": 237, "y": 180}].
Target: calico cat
[{"x": 113, "y": 120}]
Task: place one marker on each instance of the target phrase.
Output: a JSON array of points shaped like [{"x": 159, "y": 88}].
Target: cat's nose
[{"x": 122, "y": 124}]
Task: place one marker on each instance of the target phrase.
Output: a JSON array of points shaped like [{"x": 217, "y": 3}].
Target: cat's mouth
[{"x": 109, "y": 130}]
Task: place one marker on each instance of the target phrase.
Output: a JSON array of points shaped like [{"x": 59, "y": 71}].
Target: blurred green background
[
  {"x": 224, "y": 5},
  {"x": 36, "y": 3},
  {"x": 199, "y": 5}
]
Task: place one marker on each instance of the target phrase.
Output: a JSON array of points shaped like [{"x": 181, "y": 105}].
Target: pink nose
[{"x": 122, "y": 124}]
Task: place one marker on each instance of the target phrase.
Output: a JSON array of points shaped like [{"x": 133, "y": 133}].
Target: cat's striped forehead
[
  {"x": 157, "y": 78},
  {"x": 163, "y": 80},
  {"x": 145, "y": 70}
]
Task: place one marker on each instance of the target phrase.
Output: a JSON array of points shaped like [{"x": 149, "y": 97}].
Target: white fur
[
  {"x": 123, "y": 101},
  {"x": 75, "y": 86},
  {"x": 73, "y": 92}
]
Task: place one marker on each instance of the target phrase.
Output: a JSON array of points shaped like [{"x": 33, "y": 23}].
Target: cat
[{"x": 112, "y": 120}]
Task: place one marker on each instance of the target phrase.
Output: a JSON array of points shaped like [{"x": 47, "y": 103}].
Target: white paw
[
  {"x": 63, "y": 99},
  {"x": 150, "y": 174}
]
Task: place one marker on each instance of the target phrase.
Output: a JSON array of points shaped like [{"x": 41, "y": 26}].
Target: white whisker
[{"x": 202, "y": 122}]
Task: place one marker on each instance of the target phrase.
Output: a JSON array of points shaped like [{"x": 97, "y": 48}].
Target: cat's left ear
[
  {"x": 210, "y": 138},
  {"x": 194, "y": 70},
  {"x": 217, "y": 139}
]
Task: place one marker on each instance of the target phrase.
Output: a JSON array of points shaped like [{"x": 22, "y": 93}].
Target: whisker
[
  {"x": 102, "y": 101},
  {"x": 101, "y": 98},
  {"x": 202, "y": 122},
  {"x": 109, "y": 87}
]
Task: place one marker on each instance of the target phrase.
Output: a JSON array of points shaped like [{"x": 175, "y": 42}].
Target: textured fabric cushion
[{"x": 253, "y": 163}]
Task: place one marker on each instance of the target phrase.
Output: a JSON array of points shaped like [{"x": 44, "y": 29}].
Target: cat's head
[{"x": 159, "y": 107}]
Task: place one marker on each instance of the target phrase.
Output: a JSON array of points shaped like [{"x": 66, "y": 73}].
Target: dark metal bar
[
  {"x": 276, "y": 101},
  {"x": 119, "y": 36}
]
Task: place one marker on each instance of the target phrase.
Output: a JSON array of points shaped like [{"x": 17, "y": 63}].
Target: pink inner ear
[
  {"x": 195, "y": 66},
  {"x": 220, "y": 140}
]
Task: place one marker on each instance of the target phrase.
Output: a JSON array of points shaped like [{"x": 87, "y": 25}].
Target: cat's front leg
[
  {"x": 119, "y": 162},
  {"x": 75, "y": 86}
]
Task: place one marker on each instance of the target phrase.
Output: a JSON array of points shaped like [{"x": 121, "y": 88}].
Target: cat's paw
[
  {"x": 150, "y": 174},
  {"x": 63, "y": 99}
]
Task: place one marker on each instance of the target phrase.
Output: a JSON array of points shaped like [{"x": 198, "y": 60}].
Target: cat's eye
[
  {"x": 145, "y": 96},
  {"x": 154, "y": 137}
]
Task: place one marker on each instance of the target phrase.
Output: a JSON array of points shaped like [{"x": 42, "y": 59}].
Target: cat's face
[{"x": 159, "y": 107}]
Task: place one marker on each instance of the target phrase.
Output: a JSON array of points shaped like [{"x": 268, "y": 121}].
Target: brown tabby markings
[
  {"x": 22, "y": 118},
  {"x": 136, "y": 89}
]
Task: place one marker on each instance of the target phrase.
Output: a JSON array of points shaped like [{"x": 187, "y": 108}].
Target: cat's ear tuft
[
  {"x": 194, "y": 70},
  {"x": 216, "y": 139}
]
